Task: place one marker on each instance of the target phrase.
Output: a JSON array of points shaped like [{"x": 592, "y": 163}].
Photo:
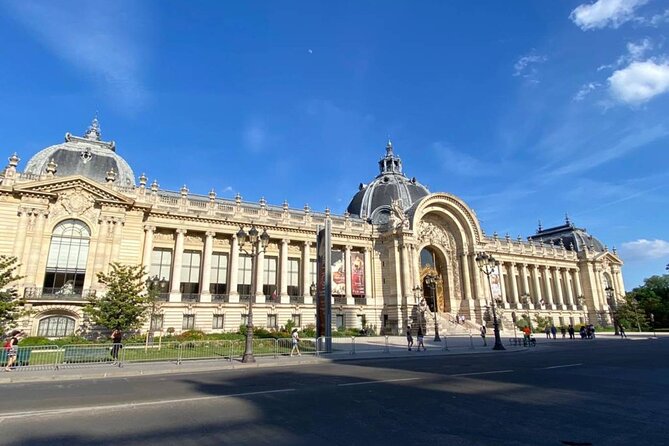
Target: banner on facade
[
  {"x": 495, "y": 284},
  {"x": 357, "y": 274},
  {"x": 324, "y": 285},
  {"x": 338, "y": 273}
]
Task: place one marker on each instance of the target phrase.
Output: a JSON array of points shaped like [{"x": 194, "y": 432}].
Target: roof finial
[
  {"x": 389, "y": 147},
  {"x": 93, "y": 131},
  {"x": 566, "y": 219},
  {"x": 540, "y": 228}
]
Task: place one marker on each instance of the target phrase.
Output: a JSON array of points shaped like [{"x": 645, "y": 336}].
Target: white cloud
[
  {"x": 639, "y": 82},
  {"x": 605, "y": 13},
  {"x": 526, "y": 66},
  {"x": 585, "y": 90},
  {"x": 637, "y": 50},
  {"x": 655, "y": 20},
  {"x": 97, "y": 39},
  {"x": 460, "y": 163},
  {"x": 643, "y": 249}
]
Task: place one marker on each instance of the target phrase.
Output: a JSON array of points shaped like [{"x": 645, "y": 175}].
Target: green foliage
[
  {"x": 523, "y": 321},
  {"x": 11, "y": 306},
  {"x": 36, "y": 340},
  {"x": 309, "y": 331},
  {"x": 631, "y": 316},
  {"x": 652, "y": 297},
  {"x": 125, "y": 304},
  {"x": 542, "y": 322}
]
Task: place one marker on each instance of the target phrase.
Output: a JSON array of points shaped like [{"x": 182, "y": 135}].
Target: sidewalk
[{"x": 365, "y": 348}]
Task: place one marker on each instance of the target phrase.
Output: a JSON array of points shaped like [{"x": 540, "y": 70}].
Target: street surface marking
[
  {"x": 378, "y": 382},
  {"x": 558, "y": 366},
  {"x": 482, "y": 373},
  {"x": 10, "y": 415}
]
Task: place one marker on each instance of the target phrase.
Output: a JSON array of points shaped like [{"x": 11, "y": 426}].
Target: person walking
[
  {"x": 563, "y": 330},
  {"x": 12, "y": 349},
  {"x": 117, "y": 338},
  {"x": 483, "y": 333},
  {"x": 295, "y": 339},
  {"x": 622, "y": 331},
  {"x": 420, "y": 339},
  {"x": 547, "y": 331},
  {"x": 553, "y": 331},
  {"x": 409, "y": 338},
  {"x": 571, "y": 331}
]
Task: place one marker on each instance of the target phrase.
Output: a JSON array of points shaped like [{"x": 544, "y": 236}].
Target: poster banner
[
  {"x": 338, "y": 274},
  {"x": 357, "y": 274},
  {"x": 324, "y": 285},
  {"x": 495, "y": 285}
]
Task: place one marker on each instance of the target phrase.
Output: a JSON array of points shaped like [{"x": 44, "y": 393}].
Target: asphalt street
[{"x": 572, "y": 392}]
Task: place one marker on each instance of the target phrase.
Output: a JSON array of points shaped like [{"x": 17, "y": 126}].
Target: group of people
[
  {"x": 460, "y": 319},
  {"x": 419, "y": 337},
  {"x": 586, "y": 331}
]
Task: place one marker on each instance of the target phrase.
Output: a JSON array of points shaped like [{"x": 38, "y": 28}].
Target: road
[{"x": 584, "y": 392}]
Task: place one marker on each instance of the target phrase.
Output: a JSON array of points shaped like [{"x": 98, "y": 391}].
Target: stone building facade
[{"x": 77, "y": 207}]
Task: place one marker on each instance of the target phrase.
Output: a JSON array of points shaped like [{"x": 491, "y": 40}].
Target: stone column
[
  {"x": 205, "y": 294},
  {"x": 368, "y": 276},
  {"x": 466, "y": 282},
  {"x": 576, "y": 278},
  {"x": 116, "y": 238},
  {"x": 537, "y": 287},
  {"x": 149, "y": 230},
  {"x": 306, "y": 265},
  {"x": 233, "y": 294},
  {"x": 568, "y": 289},
  {"x": 39, "y": 248},
  {"x": 502, "y": 286},
  {"x": 347, "y": 277},
  {"x": 525, "y": 276},
  {"x": 558, "y": 288},
  {"x": 258, "y": 279},
  {"x": 514, "y": 284},
  {"x": 474, "y": 277},
  {"x": 285, "y": 299},
  {"x": 108, "y": 237},
  {"x": 406, "y": 280},
  {"x": 175, "y": 291},
  {"x": 549, "y": 292},
  {"x": 19, "y": 241}
]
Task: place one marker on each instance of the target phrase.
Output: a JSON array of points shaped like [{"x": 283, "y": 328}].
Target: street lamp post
[
  {"x": 253, "y": 239},
  {"x": 431, "y": 281},
  {"x": 613, "y": 307},
  {"x": 488, "y": 265}
]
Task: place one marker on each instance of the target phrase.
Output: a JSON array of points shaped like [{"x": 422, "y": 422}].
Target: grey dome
[
  {"x": 573, "y": 238},
  {"x": 87, "y": 156},
  {"x": 373, "y": 200}
]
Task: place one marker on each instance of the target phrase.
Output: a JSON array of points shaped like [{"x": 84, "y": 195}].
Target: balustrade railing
[{"x": 57, "y": 293}]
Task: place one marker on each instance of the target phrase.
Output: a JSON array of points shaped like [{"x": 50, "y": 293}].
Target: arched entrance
[{"x": 432, "y": 277}]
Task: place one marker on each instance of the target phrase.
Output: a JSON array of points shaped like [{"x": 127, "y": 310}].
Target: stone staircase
[{"x": 445, "y": 321}]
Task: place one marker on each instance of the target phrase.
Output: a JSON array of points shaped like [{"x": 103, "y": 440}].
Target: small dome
[
  {"x": 573, "y": 238},
  {"x": 373, "y": 200},
  {"x": 87, "y": 156}
]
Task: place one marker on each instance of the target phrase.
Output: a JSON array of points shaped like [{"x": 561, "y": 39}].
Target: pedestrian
[
  {"x": 553, "y": 331},
  {"x": 12, "y": 348},
  {"x": 420, "y": 339},
  {"x": 563, "y": 330},
  {"x": 571, "y": 331},
  {"x": 483, "y": 333},
  {"x": 547, "y": 331},
  {"x": 117, "y": 338},
  {"x": 583, "y": 332},
  {"x": 622, "y": 331},
  {"x": 409, "y": 338},
  {"x": 527, "y": 332},
  {"x": 295, "y": 340}
]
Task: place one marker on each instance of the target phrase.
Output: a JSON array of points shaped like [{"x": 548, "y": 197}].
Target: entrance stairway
[{"x": 422, "y": 316}]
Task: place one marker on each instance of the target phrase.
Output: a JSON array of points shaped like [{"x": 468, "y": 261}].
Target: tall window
[
  {"x": 293, "y": 277},
  {"x": 161, "y": 264},
  {"x": 188, "y": 322},
  {"x": 340, "y": 322},
  {"x": 427, "y": 258},
  {"x": 313, "y": 272},
  {"x": 219, "y": 273},
  {"x": 297, "y": 320},
  {"x": 190, "y": 272},
  {"x": 269, "y": 277},
  {"x": 56, "y": 327},
  {"x": 68, "y": 253},
  {"x": 244, "y": 273},
  {"x": 218, "y": 322}
]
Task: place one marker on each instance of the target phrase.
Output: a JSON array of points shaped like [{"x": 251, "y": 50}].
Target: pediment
[
  {"x": 74, "y": 185},
  {"x": 608, "y": 257}
]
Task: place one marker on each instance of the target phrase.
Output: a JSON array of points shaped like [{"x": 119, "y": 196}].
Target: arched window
[
  {"x": 68, "y": 253},
  {"x": 427, "y": 258},
  {"x": 56, "y": 327}
]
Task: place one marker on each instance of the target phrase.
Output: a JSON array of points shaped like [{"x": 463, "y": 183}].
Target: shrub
[
  {"x": 36, "y": 340},
  {"x": 191, "y": 335}
]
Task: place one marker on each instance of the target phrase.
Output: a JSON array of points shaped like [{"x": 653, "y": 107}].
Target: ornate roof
[
  {"x": 573, "y": 238},
  {"x": 373, "y": 201},
  {"x": 88, "y": 156}
]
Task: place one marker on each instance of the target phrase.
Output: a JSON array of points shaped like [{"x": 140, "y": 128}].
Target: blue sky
[{"x": 527, "y": 110}]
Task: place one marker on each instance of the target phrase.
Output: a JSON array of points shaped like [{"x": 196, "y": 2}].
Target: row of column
[
  {"x": 550, "y": 287},
  {"x": 233, "y": 266}
]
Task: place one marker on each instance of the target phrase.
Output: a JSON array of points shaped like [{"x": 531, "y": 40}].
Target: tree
[
  {"x": 631, "y": 314},
  {"x": 653, "y": 297},
  {"x": 125, "y": 304},
  {"x": 11, "y": 306}
]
